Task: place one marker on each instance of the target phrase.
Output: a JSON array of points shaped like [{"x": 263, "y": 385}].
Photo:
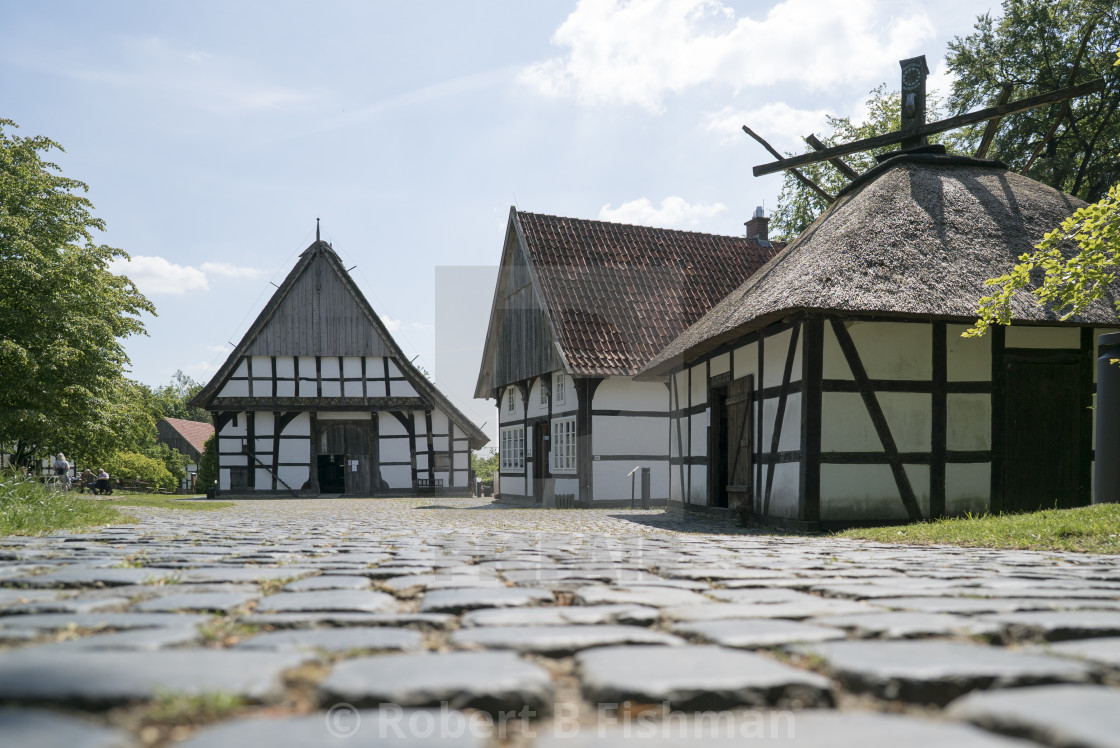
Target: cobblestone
[{"x": 282, "y": 603}]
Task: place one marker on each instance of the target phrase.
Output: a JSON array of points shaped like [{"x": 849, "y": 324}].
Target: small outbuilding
[
  {"x": 318, "y": 399},
  {"x": 188, "y": 438},
  {"x": 579, "y": 308},
  {"x": 833, "y": 387}
]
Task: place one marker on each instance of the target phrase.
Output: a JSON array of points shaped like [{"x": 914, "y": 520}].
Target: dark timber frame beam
[
  {"x": 905, "y": 490},
  {"x": 779, "y": 417},
  {"x": 878, "y": 141},
  {"x": 842, "y": 167},
  {"x": 796, "y": 173}
]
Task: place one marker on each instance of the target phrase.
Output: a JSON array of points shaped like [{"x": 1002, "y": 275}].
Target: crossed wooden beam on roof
[{"x": 915, "y": 129}]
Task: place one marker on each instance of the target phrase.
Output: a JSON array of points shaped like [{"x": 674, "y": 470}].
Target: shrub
[
  {"x": 130, "y": 466},
  {"x": 208, "y": 464}
]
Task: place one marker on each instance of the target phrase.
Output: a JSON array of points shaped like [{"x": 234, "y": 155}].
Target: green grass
[
  {"x": 164, "y": 501},
  {"x": 30, "y": 508},
  {"x": 1091, "y": 529}
]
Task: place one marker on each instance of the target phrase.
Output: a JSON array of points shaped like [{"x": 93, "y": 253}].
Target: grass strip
[
  {"x": 164, "y": 501},
  {"x": 1090, "y": 529},
  {"x": 28, "y": 507}
]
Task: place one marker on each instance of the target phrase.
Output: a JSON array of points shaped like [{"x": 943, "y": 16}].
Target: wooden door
[
  {"x": 541, "y": 446},
  {"x": 357, "y": 475},
  {"x": 1042, "y": 433},
  {"x": 740, "y": 447}
]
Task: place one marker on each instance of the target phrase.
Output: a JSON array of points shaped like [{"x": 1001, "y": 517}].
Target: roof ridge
[{"x": 633, "y": 225}]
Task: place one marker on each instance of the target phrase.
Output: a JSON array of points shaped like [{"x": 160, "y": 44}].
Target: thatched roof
[{"x": 916, "y": 236}]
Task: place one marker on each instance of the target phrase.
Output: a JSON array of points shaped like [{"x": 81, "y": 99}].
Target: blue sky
[{"x": 212, "y": 134}]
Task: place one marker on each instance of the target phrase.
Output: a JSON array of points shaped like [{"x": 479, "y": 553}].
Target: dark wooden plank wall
[
  {"x": 319, "y": 316},
  {"x": 525, "y": 347}
]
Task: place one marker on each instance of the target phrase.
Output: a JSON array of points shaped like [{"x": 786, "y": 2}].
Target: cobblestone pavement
[{"x": 412, "y": 622}]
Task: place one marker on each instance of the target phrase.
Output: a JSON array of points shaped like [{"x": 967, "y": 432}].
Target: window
[
  {"x": 544, "y": 394},
  {"x": 564, "y": 445},
  {"x": 511, "y": 446},
  {"x": 442, "y": 462},
  {"x": 558, "y": 395},
  {"x": 509, "y": 401}
]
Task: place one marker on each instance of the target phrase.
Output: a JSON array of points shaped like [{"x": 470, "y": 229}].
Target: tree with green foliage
[
  {"x": 208, "y": 464},
  {"x": 485, "y": 467},
  {"x": 171, "y": 400},
  {"x": 1070, "y": 281},
  {"x": 1037, "y": 46},
  {"x": 63, "y": 313},
  {"x": 132, "y": 467}
]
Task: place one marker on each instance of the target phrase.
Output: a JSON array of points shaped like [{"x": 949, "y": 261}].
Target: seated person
[
  {"x": 86, "y": 480},
  {"x": 103, "y": 482}
]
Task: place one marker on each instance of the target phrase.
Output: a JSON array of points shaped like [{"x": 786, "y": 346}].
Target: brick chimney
[{"x": 756, "y": 227}]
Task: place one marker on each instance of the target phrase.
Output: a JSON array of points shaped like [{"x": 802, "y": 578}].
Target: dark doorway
[
  {"x": 332, "y": 478},
  {"x": 740, "y": 444},
  {"x": 238, "y": 479},
  {"x": 541, "y": 446},
  {"x": 717, "y": 448},
  {"x": 1042, "y": 431}
]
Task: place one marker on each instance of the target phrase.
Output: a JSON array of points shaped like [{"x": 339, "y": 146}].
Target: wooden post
[{"x": 914, "y": 73}]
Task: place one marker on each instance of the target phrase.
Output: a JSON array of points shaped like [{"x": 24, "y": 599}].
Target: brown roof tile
[
  {"x": 617, "y": 294},
  {"x": 195, "y": 432}
]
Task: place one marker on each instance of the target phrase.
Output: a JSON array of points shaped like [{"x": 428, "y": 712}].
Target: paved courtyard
[{"x": 411, "y": 622}]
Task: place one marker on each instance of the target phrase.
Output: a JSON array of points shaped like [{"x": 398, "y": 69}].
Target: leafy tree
[
  {"x": 1039, "y": 46},
  {"x": 485, "y": 467},
  {"x": 1070, "y": 282},
  {"x": 208, "y": 464},
  {"x": 171, "y": 400},
  {"x": 175, "y": 461},
  {"x": 63, "y": 314},
  {"x": 130, "y": 466},
  {"x": 1036, "y": 46}
]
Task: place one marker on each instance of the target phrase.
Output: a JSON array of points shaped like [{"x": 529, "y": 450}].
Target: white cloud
[
  {"x": 226, "y": 270},
  {"x": 223, "y": 348},
  {"x": 392, "y": 325},
  {"x": 637, "y": 51},
  {"x": 940, "y": 80},
  {"x": 156, "y": 276},
  {"x": 421, "y": 326},
  {"x": 202, "y": 368},
  {"x": 783, "y": 126},
  {"x": 673, "y": 212}
]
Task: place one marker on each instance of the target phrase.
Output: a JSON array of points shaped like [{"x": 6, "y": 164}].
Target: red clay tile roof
[
  {"x": 617, "y": 294},
  {"x": 195, "y": 432}
]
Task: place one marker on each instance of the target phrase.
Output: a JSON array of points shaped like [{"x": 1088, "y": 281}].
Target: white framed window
[
  {"x": 559, "y": 392},
  {"x": 509, "y": 401},
  {"x": 564, "y": 445},
  {"x": 511, "y": 448},
  {"x": 544, "y": 394}
]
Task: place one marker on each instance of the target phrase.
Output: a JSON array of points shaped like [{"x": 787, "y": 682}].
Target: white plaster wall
[
  {"x": 285, "y": 366},
  {"x": 393, "y": 450},
  {"x": 504, "y": 413},
  {"x": 286, "y": 388},
  {"x": 698, "y": 487},
  {"x": 567, "y": 485},
  {"x": 264, "y": 481},
  {"x": 397, "y": 476},
  {"x": 611, "y": 483},
  {"x": 405, "y": 389},
  {"x": 1042, "y": 337},
  {"x": 623, "y": 393},
  {"x": 228, "y": 445},
  {"x": 460, "y": 462},
  {"x": 331, "y": 387},
  {"x": 866, "y": 492},
  {"x": 352, "y": 389},
  {"x": 228, "y": 429},
  {"x": 699, "y": 387},
  {"x": 439, "y": 443},
  {"x": 295, "y": 476},
  {"x": 328, "y": 367},
  {"x": 967, "y": 359},
  {"x": 628, "y": 435},
  {"x": 888, "y": 350},
  {"x": 847, "y": 427},
  {"x": 513, "y": 484},
  {"x": 241, "y": 370},
  {"x": 261, "y": 447},
  {"x": 968, "y": 487},
  {"x": 439, "y": 422},
  {"x": 295, "y": 450},
  {"x": 674, "y": 483},
  {"x": 389, "y": 425},
  {"x": 699, "y": 425},
  {"x": 680, "y": 389},
  {"x": 375, "y": 389},
  {"x": 394, "y": 371},
  {"x": 746, "y": 361},
  {"x": 968, "y": 424},
  {"x": 719, "y": 364},
  {"x": 264, "y": 423},
  {"x": 535, "y": 407},
  {"x": 675, "y": 439},
  {"x": 232, "y": 388},
  {"x": 299, "y": 426},
  {"x": 775, "y": 348},
  {"x": 790, "y": 439},
  {"x": 785, "y": 493},
  {"x": 223, "y": 479},
  {"x": 352, "y": 366},
  {"x": 307, "y": 369}
]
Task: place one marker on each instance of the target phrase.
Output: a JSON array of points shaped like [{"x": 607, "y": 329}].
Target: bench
[{"x": 424, "y": 485}]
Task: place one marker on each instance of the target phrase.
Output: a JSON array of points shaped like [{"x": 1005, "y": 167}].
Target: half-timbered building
[
  {"x": 835, "y": 387},
  {"x": 579, "y": 307},
  {"x": 318, "y": 399}
]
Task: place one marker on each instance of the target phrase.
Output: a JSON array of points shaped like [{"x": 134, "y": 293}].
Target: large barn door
[
  {"x": 1042, "y": 433},
  {"x": 740, "y": 451},
  {"x": 357, "y": 476}
]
